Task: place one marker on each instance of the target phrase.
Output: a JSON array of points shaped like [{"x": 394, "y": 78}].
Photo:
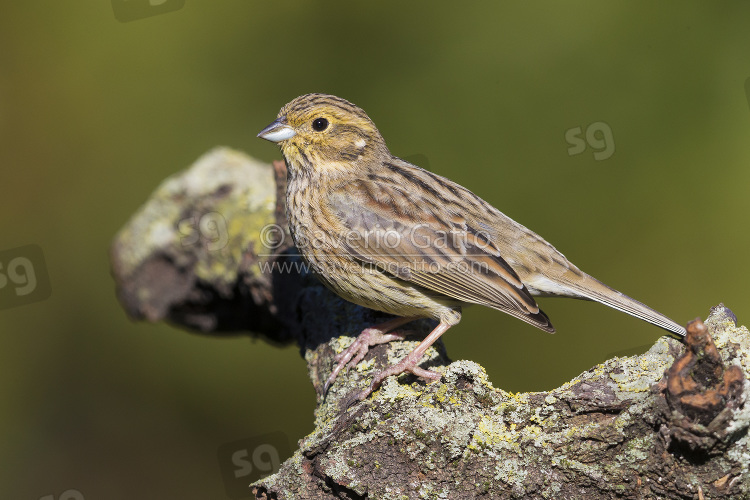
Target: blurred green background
[{"x": 95, "y": 113}]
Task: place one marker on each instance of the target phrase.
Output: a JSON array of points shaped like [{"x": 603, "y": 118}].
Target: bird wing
[{"x": 408, "y": 233}]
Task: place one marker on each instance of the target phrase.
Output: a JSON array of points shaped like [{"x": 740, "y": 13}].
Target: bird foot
[
  {"x": 408, "y": 364},
  {"x": 358, "y": 349}
]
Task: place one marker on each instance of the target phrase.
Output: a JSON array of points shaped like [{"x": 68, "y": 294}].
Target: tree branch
[{"x": 210, "y": 251}]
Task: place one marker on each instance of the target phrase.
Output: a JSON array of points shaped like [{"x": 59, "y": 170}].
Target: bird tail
[{"x": 593, "y": 289}]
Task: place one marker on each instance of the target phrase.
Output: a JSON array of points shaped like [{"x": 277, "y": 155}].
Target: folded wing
[{"x": 410, "y": 237}]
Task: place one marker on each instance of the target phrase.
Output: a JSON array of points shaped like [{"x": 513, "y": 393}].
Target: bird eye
[{"x": 320, "y": 124}]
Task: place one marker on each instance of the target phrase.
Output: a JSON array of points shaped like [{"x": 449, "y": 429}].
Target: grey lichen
[{"x": 593, "y": 435}]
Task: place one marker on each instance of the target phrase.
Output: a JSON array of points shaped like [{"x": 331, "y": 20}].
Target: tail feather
[{"x": 593, "y": 289}]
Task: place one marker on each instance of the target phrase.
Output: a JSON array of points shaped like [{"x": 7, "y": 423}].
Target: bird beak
[{"x": 277, "y": 131}]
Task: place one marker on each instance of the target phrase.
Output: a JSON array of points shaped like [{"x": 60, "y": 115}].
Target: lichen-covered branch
[{"x": 210, "y": 251}]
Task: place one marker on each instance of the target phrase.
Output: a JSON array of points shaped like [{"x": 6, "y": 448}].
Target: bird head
[{"x": 320, "y": 131}]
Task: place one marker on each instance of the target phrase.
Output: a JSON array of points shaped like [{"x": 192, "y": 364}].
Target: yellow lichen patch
[
  {"x": 490, "y": 434},
  {"x": 392, "y": 390},
  {"x": 365, "y": 365},
  {"x": 531, "y": 432},
  {"x": 638, "y": 373},
  {"x": 441, "y": 396},
  {"x": 339, "y": 344}
]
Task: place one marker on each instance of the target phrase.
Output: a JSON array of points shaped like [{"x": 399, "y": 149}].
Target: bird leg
[
  {"x": 409, "y": 363},
  {"x": 378, "y": 334}
]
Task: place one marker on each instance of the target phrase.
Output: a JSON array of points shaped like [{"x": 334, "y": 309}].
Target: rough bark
[{"x": 210, "y": 252}]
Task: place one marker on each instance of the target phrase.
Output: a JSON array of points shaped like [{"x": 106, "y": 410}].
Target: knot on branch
[{"x": 701, "y": 395}]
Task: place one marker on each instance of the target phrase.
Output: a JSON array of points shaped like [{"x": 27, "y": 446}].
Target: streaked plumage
[{"x": 391, "y": 236}]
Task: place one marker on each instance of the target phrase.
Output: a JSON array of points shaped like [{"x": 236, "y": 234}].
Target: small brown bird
[{"x": 388, "y": 235}]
